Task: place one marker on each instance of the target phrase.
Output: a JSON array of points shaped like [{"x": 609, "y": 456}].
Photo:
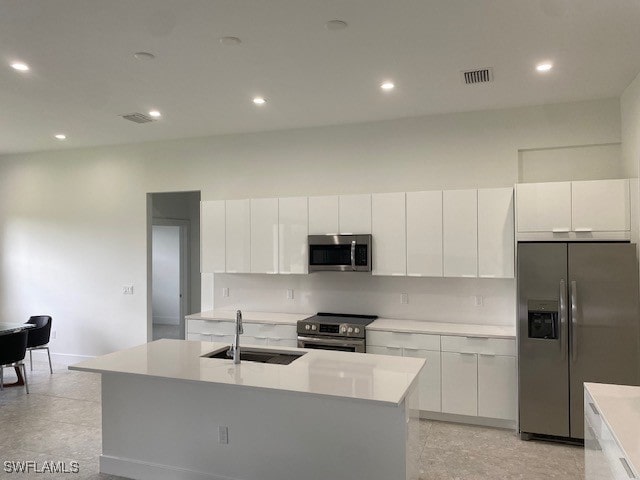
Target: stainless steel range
[{"x": 334, "y": 331}]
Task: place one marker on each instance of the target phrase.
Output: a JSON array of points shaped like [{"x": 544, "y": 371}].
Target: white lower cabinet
[
  {"x": 460, "y": 383},
  {"x": 497, "y": 378},
  {"x": 276, "y": 335},
  {"x": 429, "y": 379}
]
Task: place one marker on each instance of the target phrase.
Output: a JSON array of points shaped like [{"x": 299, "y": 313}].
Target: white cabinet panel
[
  {"x": 460, "y": 233},
  {"x": 212, "y": 236},
  {"x": 460, "y": 383},
  {"x": 495, "y": 233},
  {"x": 323, "y": 215},
  {"x": 600, "y": 205},
  {"x": 497, "y": 391},
  {"x": 354, "y": 213},
  {"x": 238, "y": 236},
  {"x": 264, "y": 235},
  {"x": 429, "y": 378},
  {"x": 424, "y": 234},
  {"x": 489, "y": 346},
  {"x": 403, "y": 339},
  {"x": 381, "y": 350},
  {"x": 388, "y": 225},
  {"x": 294, "y": 228},
  {"x": 544, "y": 207}
]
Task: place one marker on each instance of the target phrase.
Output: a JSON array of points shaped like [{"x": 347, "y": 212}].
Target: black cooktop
[{"x": 341, "y": 318}]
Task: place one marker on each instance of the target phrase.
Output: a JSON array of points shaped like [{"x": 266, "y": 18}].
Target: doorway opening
[{"x": 173, "y": 262}]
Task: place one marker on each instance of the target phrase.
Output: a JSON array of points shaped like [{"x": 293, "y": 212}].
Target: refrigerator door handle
[
  {"x": 574, "y": 321},
  {"x": 563, "y": 319}
]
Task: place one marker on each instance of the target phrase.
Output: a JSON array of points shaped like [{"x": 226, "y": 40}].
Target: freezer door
[
  {"x": 543, "y": 362},
  {"x": 605, "y": 333}
]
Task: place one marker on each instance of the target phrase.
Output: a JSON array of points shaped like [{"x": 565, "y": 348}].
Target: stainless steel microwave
[{"x": 340, "y": 253}]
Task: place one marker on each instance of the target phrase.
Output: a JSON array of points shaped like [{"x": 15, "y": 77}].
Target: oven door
[{"x": 330, "y": 343}]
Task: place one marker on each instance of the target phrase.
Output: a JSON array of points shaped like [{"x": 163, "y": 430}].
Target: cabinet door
[
  {"x": 460, "y": 232},
  {"x": 212, "y": 236},
  {"x": 388, "y": 225},
  {"x": 544, "y": 207},
  {"x": 429, "y": 379},
  {"x": 424, "y": 234},
  {"x": 294, "y": 228},
  {"x": 238, "y": 236},
  {"x": 354, "y": 214},
  {"x": 460, "y": 383},
  {"x": 323, "y": 215},
  {"x": 600, "y": 205},
  {"x": 264, "y": 235},
  {"x": 497, "y": 390},
  {"x": 495, "y": 233}
]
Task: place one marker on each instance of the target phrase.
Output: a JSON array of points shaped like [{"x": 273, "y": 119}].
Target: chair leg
[
  {"x": 26, "y": 383},
  {"x": 31, "y": 359},
  {"x": 49, "y": 355}
]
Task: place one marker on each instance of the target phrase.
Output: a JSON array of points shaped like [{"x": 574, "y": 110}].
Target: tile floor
[{"x": 60, "y": 421}]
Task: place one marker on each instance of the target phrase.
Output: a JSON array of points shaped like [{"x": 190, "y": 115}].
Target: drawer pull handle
[
  {"x": 487, "y": 354},
  {"x": 467, "y": 353},
  {"x": 626, "y": 466},
  {"x": 593, "y": 407},
  {"x": 477, "y": 338}
]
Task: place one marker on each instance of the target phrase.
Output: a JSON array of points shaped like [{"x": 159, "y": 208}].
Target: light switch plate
[
  {"x": 478, "y": 301},
  {"x": 223, "y": 435},
  {"x": 127, "y": 289},
  {"x": 225, "y": 292},
  {"x": 289, "y": 294},
  {"x": 404, "y": 298}
]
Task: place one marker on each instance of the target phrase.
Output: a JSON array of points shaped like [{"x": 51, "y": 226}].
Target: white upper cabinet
[
  {"x": 388, "y": 222},
  {"x": 238, "y": 236},
  {"x": 544, "y": 207},
  {"x": 264, "y": 235},
  {"x": 354, "y": 214},
  {"x": 323, "y": 215},
  {"x": 424, "y": 234},
  {"x": 600, "y": 205},
  {"x": 495, "y": 233},
  {"x": 460, "y": 233},
  {"x": 212, "y": 236},
  {"x": 294, "y": 228}
]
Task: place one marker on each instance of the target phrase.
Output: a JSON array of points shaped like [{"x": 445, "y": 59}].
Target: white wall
[{"x": 73, "y": 223}]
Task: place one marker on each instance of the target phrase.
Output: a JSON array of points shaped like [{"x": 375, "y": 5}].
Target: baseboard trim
[
  {"x": 469, "y": 420},
  {"x": 127, "y": 467},
  {"x": 71, "y": 355}
]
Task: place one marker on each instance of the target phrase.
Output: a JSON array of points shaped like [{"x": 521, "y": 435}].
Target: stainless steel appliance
[
  {"x": 334, "y": 331},
  {"x": 578, "y": 321},
  {"x": 341, "y": 253}
]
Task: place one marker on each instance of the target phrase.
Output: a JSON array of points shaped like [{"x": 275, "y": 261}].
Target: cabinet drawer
[
  {"x": 217, "y": 327},
  {"x": 270, "y": 330},
  {"x": 212, "y": 337},
  {"x": 484, "y": 345},
  {"x": 404, "y": 340},
  {"x": 379, "y": 350},
  {"x": 592, "y": 415}
]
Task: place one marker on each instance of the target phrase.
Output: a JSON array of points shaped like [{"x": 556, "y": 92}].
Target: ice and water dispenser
[{"x": 543, "y": 319}]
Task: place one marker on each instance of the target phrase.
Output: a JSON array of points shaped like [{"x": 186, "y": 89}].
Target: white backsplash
[{"x": 451, "y": 300}]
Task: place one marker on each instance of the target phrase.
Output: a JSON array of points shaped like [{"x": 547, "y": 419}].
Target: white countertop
[
  {"x": 619, "y": 407},
  {"x": 251, "y": 317},
  {"x": 357, "y": 376},
  {"x": 438, "y": 328}
]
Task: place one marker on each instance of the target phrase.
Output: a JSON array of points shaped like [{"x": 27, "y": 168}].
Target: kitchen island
[{"x": 169, "y": 412}]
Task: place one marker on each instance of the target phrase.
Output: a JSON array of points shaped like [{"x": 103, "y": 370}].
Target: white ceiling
[{"x": 83, "y": 74}]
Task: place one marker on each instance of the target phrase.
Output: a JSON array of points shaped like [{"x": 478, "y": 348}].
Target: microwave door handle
[{"x": 353, "y": 254}]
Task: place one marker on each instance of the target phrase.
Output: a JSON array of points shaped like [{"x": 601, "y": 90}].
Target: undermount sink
[{"x": 260, "y": 355}]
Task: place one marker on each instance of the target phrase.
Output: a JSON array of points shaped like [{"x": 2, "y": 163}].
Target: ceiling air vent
[
  {"x": 482, "y": 75},
  {"x": 137, "y": 117}
]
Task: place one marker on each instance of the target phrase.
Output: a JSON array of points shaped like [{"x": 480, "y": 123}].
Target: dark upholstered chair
[
  {"x": 13, "y": 348},
  {"x": 39, "y": 336}
]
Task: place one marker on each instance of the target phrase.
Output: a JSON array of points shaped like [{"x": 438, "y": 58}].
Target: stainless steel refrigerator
[{"x": 578, "y": 321}]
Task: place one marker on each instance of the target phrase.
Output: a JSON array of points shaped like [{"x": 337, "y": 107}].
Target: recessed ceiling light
[
  {"x": 544, "y": 67},
  {"x": 386, "y": 86},
  {"x": 60, "y": 136},
  {"x": 335, "y": 25},
  {"x": 22, "y": 67},
  {"x": 155, "y": 113},
  {"x": 144, "y": 56},
  {"x": 230, "y": 41},
  {"x": 259, "y": 100}
]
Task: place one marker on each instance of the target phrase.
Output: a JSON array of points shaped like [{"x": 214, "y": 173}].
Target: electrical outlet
[
  {"x": 127, "y": 289},
  {"x": 479, "y": 301},
  {"x": 404, "y": 298},
  {"x": 225, "y": 292},
  {"x": 54, "y": 334},
  {"x": 223, "y": 435},
  {"x": 289, "y": 293}
]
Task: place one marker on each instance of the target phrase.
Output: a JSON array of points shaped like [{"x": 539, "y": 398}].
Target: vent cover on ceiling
[
  {"x": 137, "y": 117},
  {"x": 481, "y": 75}
]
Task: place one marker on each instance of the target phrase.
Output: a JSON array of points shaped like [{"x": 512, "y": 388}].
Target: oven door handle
[
  {"x": 353, "y": 254},
  {"x": 332, "y": 341}
]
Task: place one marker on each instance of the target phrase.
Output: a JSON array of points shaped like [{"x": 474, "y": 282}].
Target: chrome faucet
[{"x": 234, "y": 351}]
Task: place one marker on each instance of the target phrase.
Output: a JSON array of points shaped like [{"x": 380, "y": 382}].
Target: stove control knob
[
  {"x": 350, "y": 330},
  {"x": 313, "y": 327},
  {"x": 307, "y": 327},
  {"x": 343, "y": 329},
  {"x": 357, "y": 330}
]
